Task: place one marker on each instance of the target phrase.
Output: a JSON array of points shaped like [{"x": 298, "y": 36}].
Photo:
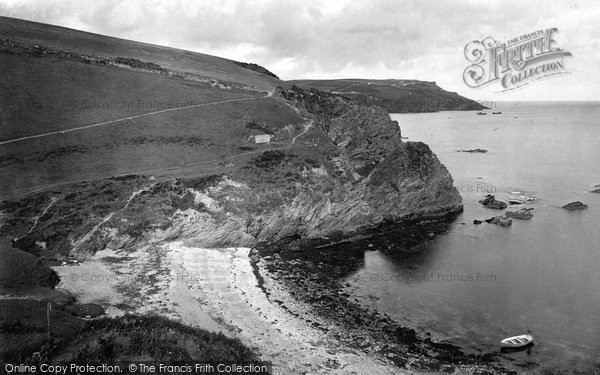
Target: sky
[{"x": 422, "y": 39}]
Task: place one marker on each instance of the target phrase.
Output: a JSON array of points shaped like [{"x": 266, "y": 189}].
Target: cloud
[{"x": 372, "y": 39}]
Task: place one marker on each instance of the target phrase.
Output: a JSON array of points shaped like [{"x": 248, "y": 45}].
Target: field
[
  {"x": 394, "y": 95},
  {"x": 50, "y": 95},
  {"x": 92, "y": 44}
]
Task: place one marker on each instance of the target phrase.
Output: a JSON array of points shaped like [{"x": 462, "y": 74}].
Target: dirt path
[
  {"x": 36, "y": 219},
  {"x": 307, "y": 126},
  {"x": 89, "y": 235},
  {"x": 146, "y": 171},
  {"x": 127, "y": 118}
]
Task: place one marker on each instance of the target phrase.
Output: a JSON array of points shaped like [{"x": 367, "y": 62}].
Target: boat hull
[{"x": 516, "y": 341}]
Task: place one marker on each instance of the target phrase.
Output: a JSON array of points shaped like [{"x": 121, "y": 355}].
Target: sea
[{"x": 477, "y": 284}]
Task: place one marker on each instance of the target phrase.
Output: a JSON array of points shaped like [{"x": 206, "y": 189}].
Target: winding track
[
  {"x": 127, "y": 118},
  {"x": 307, "y": 126}
]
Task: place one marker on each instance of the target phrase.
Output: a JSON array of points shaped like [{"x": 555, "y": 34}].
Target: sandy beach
[{"x": 217, "y": 290}]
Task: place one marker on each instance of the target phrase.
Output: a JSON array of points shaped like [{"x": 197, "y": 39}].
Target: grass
[
  {"x": 128, "y": 338},
  {"x": 393, "y": 95},
  {"x": 47, "y": 94},
  {"x": 61, "y": 38},
  {"x": 153, "y": 338},
  {"x": 43, "y": 95}
]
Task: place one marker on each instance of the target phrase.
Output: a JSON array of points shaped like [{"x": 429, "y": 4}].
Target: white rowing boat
[{"x": 516, "y": 341}]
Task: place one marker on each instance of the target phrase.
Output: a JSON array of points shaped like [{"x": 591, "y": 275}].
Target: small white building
[{"x": 262, "y": 138}]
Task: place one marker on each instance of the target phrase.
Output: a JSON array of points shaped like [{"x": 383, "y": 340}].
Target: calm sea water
[{"x": 480, "y": 283}]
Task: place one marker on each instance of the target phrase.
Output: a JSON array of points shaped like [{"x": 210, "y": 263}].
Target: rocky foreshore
[{"x": 312, "y": 270}]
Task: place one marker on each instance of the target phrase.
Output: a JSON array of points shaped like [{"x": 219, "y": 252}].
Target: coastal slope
[
  {"x": 394, "y": 95},
  {"x": 122, "y": 148}
]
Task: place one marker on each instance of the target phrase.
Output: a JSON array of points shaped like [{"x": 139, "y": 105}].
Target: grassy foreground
[{"x": 108, "y": 340}]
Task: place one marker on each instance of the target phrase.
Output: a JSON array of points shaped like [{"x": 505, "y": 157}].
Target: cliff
[
  {"x": 350, "y": 171},
  {"x": 394, "y": 95},
  {"x": 127, "y": 142}
]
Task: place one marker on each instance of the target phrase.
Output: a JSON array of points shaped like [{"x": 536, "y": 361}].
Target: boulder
[
  {"x": 522, "y": 214},
  {"x": 575, "y": 206},
  {"x": 490, "y": 201},
  {"x": 477, "y": 222},
  {"x": 597, "y": 191},
  {"x": 503, "y": 221}
]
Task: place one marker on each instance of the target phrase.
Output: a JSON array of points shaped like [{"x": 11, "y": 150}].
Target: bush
[
  {"x": 137, "y": 64},
  {"x": 269, "y": 159},
  {"x": 256, "y": 68},
  {"x": 201, "y": 183},
  {"x": 313, "y": 163}
]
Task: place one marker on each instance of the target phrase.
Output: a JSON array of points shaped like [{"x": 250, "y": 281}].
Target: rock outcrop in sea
[
  {"x": 575, "y": 206},
  {"x": 521, "y": 214},
  {"x": 474, "y": 151},
  {"x": 489, "y": 201},
  {"x": 502, "y": 220}
]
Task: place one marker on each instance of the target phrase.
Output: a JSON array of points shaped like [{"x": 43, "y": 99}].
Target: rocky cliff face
[
  {"x": 380, "y": 178},
  {"x": 359, "y": 176}
]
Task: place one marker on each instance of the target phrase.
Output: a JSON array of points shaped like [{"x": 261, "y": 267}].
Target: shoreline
[
  {"x": 314, "y": 277},
  {"x": 284, "y": 300},
  {"x": 275, "y": 298},
  {"x": 217, "y": 290}
]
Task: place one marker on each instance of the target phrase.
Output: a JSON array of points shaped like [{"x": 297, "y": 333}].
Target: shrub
[
  {"x": 137, "y": 64},
  {"x": 269, "y": 159},
  {"x": 201, "y": 183}
]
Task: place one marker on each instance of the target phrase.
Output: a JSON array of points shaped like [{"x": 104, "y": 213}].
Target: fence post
[{"x": 48, "y": 309}]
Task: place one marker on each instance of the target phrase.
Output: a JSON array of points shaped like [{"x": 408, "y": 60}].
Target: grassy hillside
[
  {"x": 108, "y": 340},
  {"x": 394, "y": 95},
  {"x": 67, "y": 117},
  {"x": 76, "y": 41}
]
